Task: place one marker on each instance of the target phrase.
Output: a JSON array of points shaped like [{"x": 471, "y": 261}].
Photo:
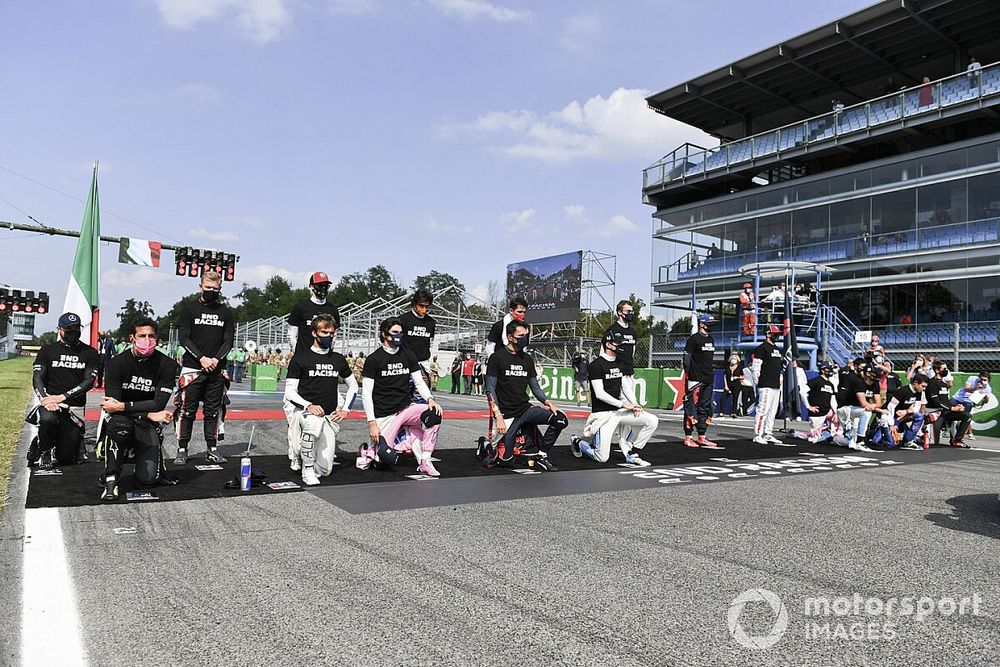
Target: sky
[{"x": 305, "y": 135}]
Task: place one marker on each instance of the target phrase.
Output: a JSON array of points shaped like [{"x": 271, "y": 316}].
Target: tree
[
  {"x": 169, "y": 320},
  {"x": 278, "y": 297},
  {"x": 376, "y": 282},
  {"x": 436, "y": 281},
  {"x": 681, "y": 325},
  {"x": 129, "y": 313},
  {"x": 47, "y": 337}
]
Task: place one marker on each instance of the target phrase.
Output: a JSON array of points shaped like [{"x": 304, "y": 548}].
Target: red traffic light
[
  {"x": 28, "y": 308},
  {"x": 3, "y": 305},
  {"x": 41, "y": 310},
  {"x": 14, "y": 307}
]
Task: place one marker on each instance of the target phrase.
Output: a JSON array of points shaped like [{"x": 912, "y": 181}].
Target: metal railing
[
  {"x": 966, "y": 346},
  {"x": 458, "y": 328},
  {"x": 690, "y": 161},
  {"x": 857, "y": 246}
]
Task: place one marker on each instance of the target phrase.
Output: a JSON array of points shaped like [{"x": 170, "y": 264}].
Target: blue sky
[{"x": 457, "y": 135}]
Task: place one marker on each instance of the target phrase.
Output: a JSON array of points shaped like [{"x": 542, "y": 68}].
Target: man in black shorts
[{"x": 138, "y": 385}]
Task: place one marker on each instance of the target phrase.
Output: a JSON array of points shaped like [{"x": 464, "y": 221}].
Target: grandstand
[{"x": 897, "y": 190}]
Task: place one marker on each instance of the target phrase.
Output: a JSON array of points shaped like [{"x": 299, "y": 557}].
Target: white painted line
[{"x": 50, "y": 627}]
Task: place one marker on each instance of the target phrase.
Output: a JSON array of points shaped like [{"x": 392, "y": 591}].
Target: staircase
[{"x": 837, "y": 335}]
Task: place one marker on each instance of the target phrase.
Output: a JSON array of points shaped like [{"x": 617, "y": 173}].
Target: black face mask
[
  {"x": 324, "y": 342},
  {"x": 629, "y": 317},
  {"x": 321, "y": 291},
  {"x": 71, "y": 337},
  {"x": 518, "y": 342},
  {"x": 210, "y": 296}
]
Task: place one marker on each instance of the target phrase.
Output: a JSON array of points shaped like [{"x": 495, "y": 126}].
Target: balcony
[
  {"x": 951, "y": 95},
  {"x": 932, "y": 238}
]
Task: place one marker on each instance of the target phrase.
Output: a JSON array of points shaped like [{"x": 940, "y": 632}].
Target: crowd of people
[{"x": 857, "y": 406}]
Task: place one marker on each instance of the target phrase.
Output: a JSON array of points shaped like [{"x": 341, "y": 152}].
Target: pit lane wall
[{"x": 664, "y": 389}]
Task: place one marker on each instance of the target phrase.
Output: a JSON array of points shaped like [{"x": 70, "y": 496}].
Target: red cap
[{"x": 319, "y": 277}]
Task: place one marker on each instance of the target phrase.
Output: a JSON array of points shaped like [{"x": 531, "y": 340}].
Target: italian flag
[
  {"x": 140, "y": 252},
  {"x": 81, "y": 296}
]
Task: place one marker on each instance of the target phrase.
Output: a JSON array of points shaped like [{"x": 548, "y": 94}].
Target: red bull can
[{"x": 245, "y": 473}]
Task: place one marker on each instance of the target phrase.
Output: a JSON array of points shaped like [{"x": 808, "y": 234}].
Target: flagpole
[{"x": 95, "y": 323}]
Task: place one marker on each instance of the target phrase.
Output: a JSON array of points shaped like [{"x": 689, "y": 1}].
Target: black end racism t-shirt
[
  {"x": 513, "y": 373},
  {"x": 302, "y": 316},
  {"x": 65, "y": 367},
  {"x": 498, "y": 334},
  {"x": 610, "y": 374},
  {"x": 417, "y": 334},
  {"x": 850, "y": 386},
  {"x": 702, "y": 351},
  {"x": 820, "y": 392},
  {"x": 907, "y": 398},
  {"x": 770, "y": 370},
  {"x": 391, "y": 373},
  {"x": 318, "y": 375},
  {"x": 144, "y": 385},
  {"x": 626, "y": 351},
  {"x": 206, "y": 330},
  {"x": 937, "y": 394}
]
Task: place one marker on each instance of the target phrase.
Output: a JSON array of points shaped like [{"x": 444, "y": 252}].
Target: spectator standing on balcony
[
  {"x": 926, "y": 95},
  {"x": 973, "y": 71},
  {"x": 748, "y": 303}
]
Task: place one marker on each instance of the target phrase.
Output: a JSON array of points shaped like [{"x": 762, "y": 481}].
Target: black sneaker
[
  {"x": 81, "y": 453},
  {"x": 574, "y": 446},
  {"x": 182, "y": 457},
  {"x": 542, "y": 463},
  {"x": 110, "y": 493},
  {"x": 46, "y": 461},
  {"x": 33, "y": 453},
  {"x": 213, "y": 456}
]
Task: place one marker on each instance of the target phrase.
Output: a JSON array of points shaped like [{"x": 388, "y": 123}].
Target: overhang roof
[{"x": 850, "y": 59}]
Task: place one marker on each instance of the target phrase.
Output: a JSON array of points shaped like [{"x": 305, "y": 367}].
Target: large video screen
[{"x": 550, "y": 285}]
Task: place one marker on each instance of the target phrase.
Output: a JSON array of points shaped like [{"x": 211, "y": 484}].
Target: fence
[{"x": 966, "y": 346}]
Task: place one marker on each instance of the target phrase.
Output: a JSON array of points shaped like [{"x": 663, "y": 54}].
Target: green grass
[{"x": 15, "y": 389}]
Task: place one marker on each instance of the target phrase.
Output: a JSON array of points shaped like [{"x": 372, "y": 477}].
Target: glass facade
[{"x": 879, "y": 227}]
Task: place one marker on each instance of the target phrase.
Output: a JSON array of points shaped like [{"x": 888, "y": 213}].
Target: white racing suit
[
  {"x": 311, "y": 439},
  {"x": 600, "y": 429},
  {"x": 635, "y": 431}
]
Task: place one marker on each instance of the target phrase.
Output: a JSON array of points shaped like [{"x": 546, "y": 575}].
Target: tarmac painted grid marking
[
  {"x": 379, "y": 497},
  {"x": 50, "y": 626}
]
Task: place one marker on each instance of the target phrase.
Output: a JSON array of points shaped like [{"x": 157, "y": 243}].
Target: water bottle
[{"x": 245, "y": 473}]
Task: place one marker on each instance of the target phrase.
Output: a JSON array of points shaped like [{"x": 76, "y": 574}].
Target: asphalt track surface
[{"x": 633, "y": 574}]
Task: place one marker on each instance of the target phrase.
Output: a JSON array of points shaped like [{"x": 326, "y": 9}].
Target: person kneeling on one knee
[
  {"x": 385, "y": 394},
  {"x": 138, "y": 385},
  {"x": 510, "y": 372},
  {"x": 311, "y": 402},
  {"x": 613, "y": 407},
  {"x": 62, "y": 374}
]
